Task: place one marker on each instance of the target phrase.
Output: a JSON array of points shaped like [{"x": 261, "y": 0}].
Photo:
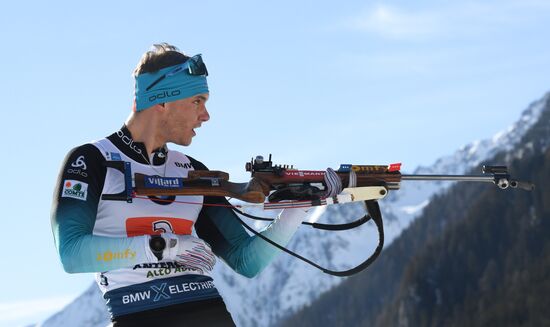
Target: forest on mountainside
[{"x": 477, "y": 256}]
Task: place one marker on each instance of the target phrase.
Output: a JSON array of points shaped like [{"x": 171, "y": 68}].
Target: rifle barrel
[{"x": 464, "y": 178}]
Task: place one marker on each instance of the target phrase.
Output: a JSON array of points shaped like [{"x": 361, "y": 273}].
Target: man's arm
[
  {"x": 247, "y": 255},
  {"x": 73, "y": 216}
]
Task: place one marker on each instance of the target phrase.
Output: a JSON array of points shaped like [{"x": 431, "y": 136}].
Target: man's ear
[{"x": 160, "y": 107}]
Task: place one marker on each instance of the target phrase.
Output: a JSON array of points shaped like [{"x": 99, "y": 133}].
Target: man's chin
[
  {"x": 182, "y": 142},
  {"x": 186, "y": 142}
]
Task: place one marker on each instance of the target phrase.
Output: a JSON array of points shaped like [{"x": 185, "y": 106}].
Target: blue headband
[{"x": 176, "y": 84}]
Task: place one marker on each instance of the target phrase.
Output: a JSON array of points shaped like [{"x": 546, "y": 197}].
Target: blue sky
[{"x": 316, "y": 83}]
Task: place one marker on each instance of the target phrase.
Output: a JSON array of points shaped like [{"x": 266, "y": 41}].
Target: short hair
[{"x": 160, "y": 56}]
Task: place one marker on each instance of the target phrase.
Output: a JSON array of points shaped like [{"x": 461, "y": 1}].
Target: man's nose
[{"x": 205, "y": 116}]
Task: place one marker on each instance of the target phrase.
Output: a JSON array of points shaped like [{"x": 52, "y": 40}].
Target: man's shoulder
[
  {"x": 83, "y": 155},
  {"x": 84, "y": 164},
  {"x": 85, "y": 149}
]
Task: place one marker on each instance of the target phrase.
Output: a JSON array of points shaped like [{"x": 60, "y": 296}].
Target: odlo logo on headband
[{"x": 164, "y": 94}]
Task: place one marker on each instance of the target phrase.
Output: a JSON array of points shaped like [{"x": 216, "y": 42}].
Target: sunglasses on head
[{"x": 193, "y": 66}]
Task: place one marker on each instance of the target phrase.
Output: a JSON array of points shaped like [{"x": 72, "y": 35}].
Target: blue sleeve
[
  {"x": 73, "y": 216},
  {"x": 247, "y": 255}
]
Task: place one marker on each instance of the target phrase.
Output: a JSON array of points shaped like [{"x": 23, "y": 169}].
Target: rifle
[
  {"x": 284, "y": 183},
  {"x": 286, "y": 187}
]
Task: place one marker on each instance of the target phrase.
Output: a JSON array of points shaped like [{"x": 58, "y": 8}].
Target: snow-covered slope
[
  {"x": 288, "y": 283},
  {"x": 87, "y": 310}
]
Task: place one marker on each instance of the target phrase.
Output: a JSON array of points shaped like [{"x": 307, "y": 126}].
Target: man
[{"x": 149, "y": 267}]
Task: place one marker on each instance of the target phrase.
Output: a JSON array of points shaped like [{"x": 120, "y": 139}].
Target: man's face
[{"x": 183, "y": 116}]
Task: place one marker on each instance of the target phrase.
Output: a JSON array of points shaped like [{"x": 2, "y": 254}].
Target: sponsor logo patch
[
  {"x": 165, "y": 291},
  {"x": 163, "y": 182},
  {"x": 74, "y": 189},
  {"x": 79, "y": 163},
  {"x": 115, "y": 156},
  {"x": 168, "y": 271},
  {"x": 183, "y": 165},
  {"x": 79, "y": 167},
  {"x": 369, "y": 169},
  {"x": 344, "y": 168},
  {"x": 128, "y": 141},
  {"x": 110, "y": 256}
]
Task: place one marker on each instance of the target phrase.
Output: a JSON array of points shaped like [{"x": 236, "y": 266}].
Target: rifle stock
[{"x": 203, "y": 183}]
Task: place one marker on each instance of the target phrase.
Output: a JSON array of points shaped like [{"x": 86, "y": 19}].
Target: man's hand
[
  {"x": 333, "y": 183},
  {"x": 189, "y": 251}
]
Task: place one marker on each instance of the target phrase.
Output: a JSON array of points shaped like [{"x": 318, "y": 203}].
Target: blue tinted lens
[
  {"x": 194, "y": 66},
  {"x": 197, "y": 66}
]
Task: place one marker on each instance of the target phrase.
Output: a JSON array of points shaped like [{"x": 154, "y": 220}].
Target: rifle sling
[{"x": 374, "y": 213}]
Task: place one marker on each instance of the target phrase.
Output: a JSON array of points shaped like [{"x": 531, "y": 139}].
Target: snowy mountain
[
  {"x": 471, "y": 258},
  {"x": 288, "y": 284}
]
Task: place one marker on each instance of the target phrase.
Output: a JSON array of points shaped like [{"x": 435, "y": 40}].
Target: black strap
[
  {"x": 374, "y": 213},
  {"x": 333, "y": 227}
]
